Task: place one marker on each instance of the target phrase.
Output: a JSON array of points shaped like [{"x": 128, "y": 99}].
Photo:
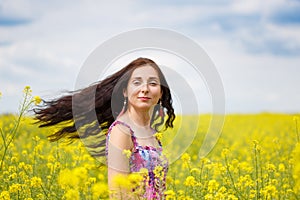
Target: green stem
[
  {"x": 3, "y": 138},
  {"x": 232, "y": 180},
  {"x": 297, "y": 131},
  {"x": 256, "y": 172},
  {"x": 24, "y": 106},
  {"x": 45, "y": 192}
]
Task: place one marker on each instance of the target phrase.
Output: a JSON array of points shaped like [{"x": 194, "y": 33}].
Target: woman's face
[{"x": 143, "y": 89}]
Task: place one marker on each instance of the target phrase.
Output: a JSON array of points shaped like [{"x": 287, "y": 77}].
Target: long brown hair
[{"x": 96, "y": 107}]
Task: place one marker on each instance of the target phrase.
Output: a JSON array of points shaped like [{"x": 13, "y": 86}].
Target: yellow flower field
[{"x": 256, "y": 157}]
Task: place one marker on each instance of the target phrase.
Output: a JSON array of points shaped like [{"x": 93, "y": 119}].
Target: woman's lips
[{"x": 144, "y": 98}]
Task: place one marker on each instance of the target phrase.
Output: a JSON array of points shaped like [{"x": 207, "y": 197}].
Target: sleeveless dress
[{"x": 150, "y": 158}]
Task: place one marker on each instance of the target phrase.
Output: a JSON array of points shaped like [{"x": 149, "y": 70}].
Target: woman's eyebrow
[
  {"x": 150, "y": 78},
  {"x": 154, "y": 78}
]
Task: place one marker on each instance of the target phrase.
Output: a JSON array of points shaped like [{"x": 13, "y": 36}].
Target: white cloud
[{"x": 48, "y": 52}]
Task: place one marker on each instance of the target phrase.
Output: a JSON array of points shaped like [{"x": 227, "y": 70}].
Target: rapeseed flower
[
  {"x": 66, "y": 179},
  {"x": 99, "y": 191},
  {"x": 27, "y": 89},
  {"x": 225, "y": 152},
  {"x": 231, "y": 197},
  {"x": 195, "y": 170},
  {"x": 15, "y": 188},
  {"x": 37, "y": 100},
  {"x": 4, "y": 195},
  {"x": 121, "y": 181},
  {"x": 296, "y": 170},
  {"x": 281, "y": 167},
  {"x": 271, "y": 168},
  {"x": 213, "y": 186},
  {"x": 190, "y": 181},
  {"x": 269, "y": 192},
  {"x": 72, "y": 194},
  {"x": 127, "y": 153},
  {"x": 35, "y": 181},
  {"x": 186, "y": 160},
  {"x": 158, "y": 172},
  {"x": 158, "y": 136},
  {"x": 270, "y": 171},
  {"x": 170, "y": 195},
  {"x": 186, "y": 157}
]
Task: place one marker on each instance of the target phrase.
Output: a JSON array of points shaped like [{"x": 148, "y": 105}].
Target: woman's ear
[{"x": 125, "y": 92}]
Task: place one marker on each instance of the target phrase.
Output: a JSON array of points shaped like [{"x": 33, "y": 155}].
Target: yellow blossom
[
  {"x": 127, "y": 153},
  {"x": 190, "y": 181},
  {"x": 13, "y": 176},
  {"x": 169, "y": 180},
  {"x": 37, "y": 100},
  {"x": 186, "y": 157},
  {"x": 225, "y": 152},
  {"x": 121, "y": 181},
  {"x": 158, "y": 171},
  {"x": 158, "y": 136},
  {"x": 27, "y": 89},
  {"x": 271, "y": 167},
  {"x": 101, "y": 177},
  {"x": 12, "y": 169},
  {"x": 36, "y": 138},
  {"x": 208, "y": 197},
  {"x": 170, "y": 195},
  {"x": 35, "y": 182},
  {"x": 14, "y": 188},
  {"x": 195, "y": 170},
  {"x": 135, "y": 179},
  {"x": 204, "y": 161},
  {"x": 92, "y": 180},
  {"x": 81, "y": 173},
  {"x": 14, "y": 159},
  {"x": 72, "y": 194},
  {"x": 269, "y": 191},
  {"x": 222, "y": 190},
  {"x": 4, "y": 195},
  {"x": 281, "y": 167},
  {"x": 144, "y": 171},
  {"x": 252, "y": 194},
  {"x": 100, "y": 191},
  {"x": 186, "y": 160},
  {"x": 213, "y": 185},
  {"x": 232, "y": 197},
  {"x": 67, "y": 179}
]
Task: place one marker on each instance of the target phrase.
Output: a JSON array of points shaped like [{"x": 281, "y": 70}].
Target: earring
[
  {"x": 161, "y": 109},
  {"x": 123, "y": 109}
]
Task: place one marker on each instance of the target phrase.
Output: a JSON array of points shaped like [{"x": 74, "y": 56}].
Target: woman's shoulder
[
  {"x": 119, "y": 134},
  {"x": 121, "y": 126}
]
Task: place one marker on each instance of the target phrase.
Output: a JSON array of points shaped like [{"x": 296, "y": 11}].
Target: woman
[{"x": 136, "y": 95}]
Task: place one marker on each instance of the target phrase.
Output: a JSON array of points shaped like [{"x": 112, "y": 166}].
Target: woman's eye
[
  {"x": 136, "y": 82},
  {"x": 153, "y": 83}
]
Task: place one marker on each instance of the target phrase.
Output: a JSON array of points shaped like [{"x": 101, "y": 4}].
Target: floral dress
[{"x": 150, "y": 158}]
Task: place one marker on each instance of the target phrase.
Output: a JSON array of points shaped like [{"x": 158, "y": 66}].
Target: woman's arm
[{"x": 118, "y": 162}]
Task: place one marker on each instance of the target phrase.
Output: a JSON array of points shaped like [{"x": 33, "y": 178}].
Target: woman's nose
[{"x": 144, "y": 88}]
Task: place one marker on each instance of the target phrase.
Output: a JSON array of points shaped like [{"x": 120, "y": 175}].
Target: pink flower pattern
[{"x": 146, "y": 157}]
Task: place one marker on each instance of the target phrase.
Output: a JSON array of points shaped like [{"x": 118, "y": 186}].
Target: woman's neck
[{"x": 139, "y": 118}]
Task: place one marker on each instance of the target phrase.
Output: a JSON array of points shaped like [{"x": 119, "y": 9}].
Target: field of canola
[{"x": 256, "y": 157}]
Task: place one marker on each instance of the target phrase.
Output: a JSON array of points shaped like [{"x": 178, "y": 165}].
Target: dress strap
[{"x": 133, "y": 138}]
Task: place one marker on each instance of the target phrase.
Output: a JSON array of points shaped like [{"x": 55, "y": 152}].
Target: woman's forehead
[{"x": 146, "y": 71}]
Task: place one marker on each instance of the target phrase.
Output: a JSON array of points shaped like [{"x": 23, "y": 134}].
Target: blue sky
[{"x": 255, "y": 45}]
